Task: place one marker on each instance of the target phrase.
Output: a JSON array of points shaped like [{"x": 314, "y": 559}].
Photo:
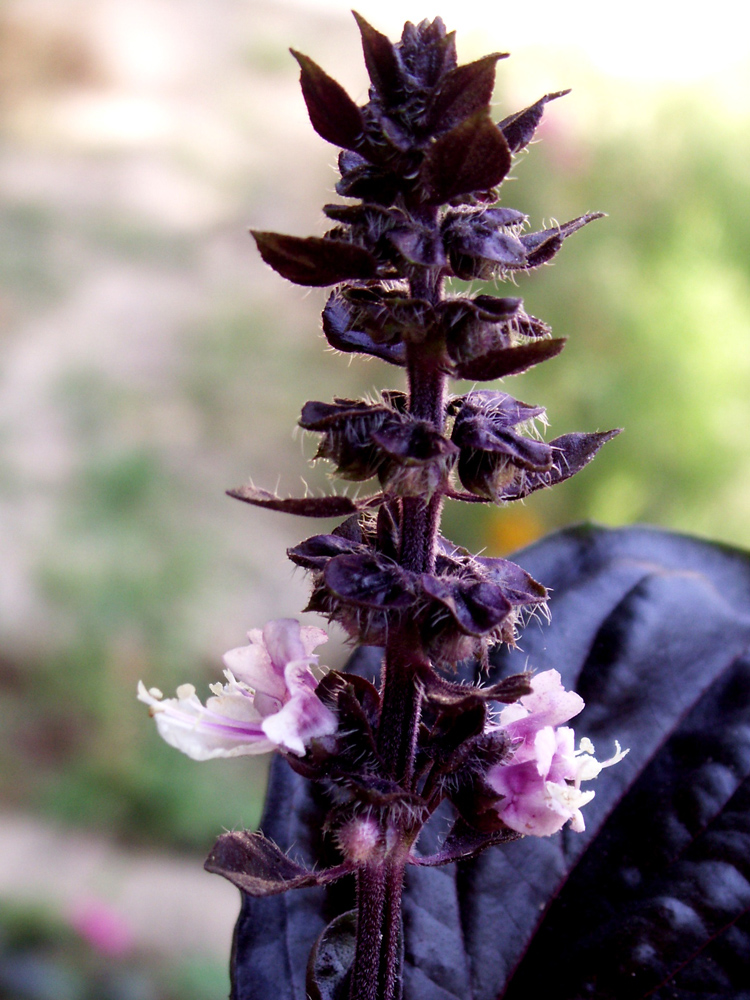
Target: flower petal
[
  {"x": 303, "y": 718},
  {"x": 282, "y": 640},
  {"x": 231, "y": 727},
  {"x": 311, "y": 637},
  {"x": 269, "y": 699},
  {"x": 252, "y": 666}
]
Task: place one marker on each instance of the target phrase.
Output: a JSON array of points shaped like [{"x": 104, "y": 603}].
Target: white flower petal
[
  {"x": 228, "y": 726},
  {"x": 545, "y": 745}
]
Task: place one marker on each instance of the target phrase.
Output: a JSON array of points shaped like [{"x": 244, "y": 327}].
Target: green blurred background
[{"x": 149, "y": 361}]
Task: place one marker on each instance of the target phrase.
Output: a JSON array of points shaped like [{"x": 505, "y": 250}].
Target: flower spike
[{"x": 421, "y": 164}]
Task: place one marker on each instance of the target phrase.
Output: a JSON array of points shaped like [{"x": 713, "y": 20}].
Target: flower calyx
[
  {"x": 489, "y": 243},
  {"x": 481, "y": 338},
  {"x": 409, "y": 457},
  {"x": 493, "y": 453},
  {"x": 498, "y": 463},
  {"x": 464, "y": 605}
]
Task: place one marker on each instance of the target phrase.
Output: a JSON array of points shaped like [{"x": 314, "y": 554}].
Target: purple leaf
[
  {"x": 571, "y": 453},
  {"x": 259, "y": 868},
  {"x": 331, "y": 959},
  {"x": 519, "y": 128},
  {"x": 334, "y": 115},
  {"x": 445, "y": 693},
  {"x": 381, "y": 60},
  {"x": 331, "y": 506},
  {"x": 462, "y": 92},
  {"x": 541, "y": 247},
  {"x": 473, "y": 156},
  {"x": 652, "y": 629},
  {"x": 508, "y": 360},
  {"x": 313, "y": 260}
]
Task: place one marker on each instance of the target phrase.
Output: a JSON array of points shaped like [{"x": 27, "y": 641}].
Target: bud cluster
[{"x": 423, "y": 161}]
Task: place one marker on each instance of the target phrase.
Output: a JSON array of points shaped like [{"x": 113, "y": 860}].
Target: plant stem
[
  {"x": 401, "y": 704},
  {"x": 391, "y": 960},
  {"x": 379, "y": 896},
  {"x": 371, "y": 893}
]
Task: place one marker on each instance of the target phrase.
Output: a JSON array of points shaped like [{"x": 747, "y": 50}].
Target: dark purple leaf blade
[
  {"x": 258, "y": 867},
  {"x": 652, "y": 628},
  {"x": 508, "y": 360},
  {"x": 380, "y": 60},
  {"x": 327, "y": 506},
  {"x": 660, "y": 912},
  {"x": 334, "y": 115},
  {"x": 643, "y": 624},
  {"x": 314, "y": 260},
  {"x": 464, "y": 91},
  {"x": 519, "y": 128},
  {"x": 473, "y": 156},
  {"x": 436, "y": 963}
]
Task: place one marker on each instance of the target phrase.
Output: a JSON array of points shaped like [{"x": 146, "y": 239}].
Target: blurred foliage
[
  {"x": 655, "y": 301},
  {"x": 42, "y": 957}
]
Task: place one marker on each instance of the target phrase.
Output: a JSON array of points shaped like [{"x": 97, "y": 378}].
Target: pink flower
[
  {"x": 102, "y": 927},
  {"x": 541, "y": 785},
  {"x": 269, "y": 699}
]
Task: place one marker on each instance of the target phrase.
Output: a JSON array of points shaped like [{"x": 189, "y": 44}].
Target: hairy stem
[
  {"x": 371, "y": 893},
  {"x": 391, "y": 960},
  {"x": 401, "y": 704}
]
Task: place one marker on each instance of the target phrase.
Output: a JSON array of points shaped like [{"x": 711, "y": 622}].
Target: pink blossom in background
[{"x": 102, "y": 927}]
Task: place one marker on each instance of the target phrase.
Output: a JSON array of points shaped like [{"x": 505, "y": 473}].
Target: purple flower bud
[{"x": 493, "y": 454}]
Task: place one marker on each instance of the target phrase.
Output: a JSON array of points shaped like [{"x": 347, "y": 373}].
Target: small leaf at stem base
[
  {"x": 259, "y": 868},
  {"x": 332, "y": 958}
]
